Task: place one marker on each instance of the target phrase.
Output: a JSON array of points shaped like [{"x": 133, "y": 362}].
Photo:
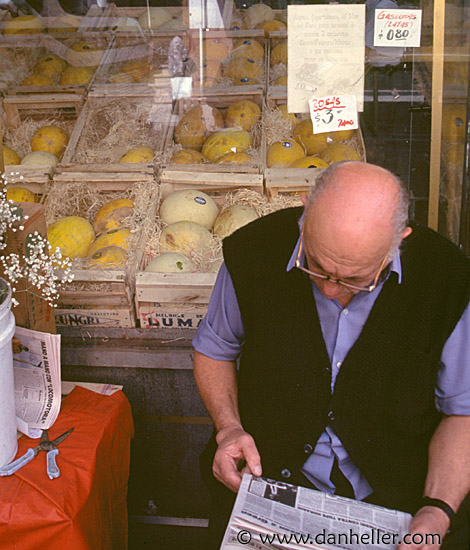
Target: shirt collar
[{"x": 394, "y": 266}]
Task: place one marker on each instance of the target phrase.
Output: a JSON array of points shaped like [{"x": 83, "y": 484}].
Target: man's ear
[
  {"x": 407, "y": 232},
  {"x": 304, "y": 199}
]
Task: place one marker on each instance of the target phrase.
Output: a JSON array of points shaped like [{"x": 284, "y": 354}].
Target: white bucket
[{"x": 8, "y": 439}]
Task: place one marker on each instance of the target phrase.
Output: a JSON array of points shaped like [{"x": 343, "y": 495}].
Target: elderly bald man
[{"x": 351, "y": 328}]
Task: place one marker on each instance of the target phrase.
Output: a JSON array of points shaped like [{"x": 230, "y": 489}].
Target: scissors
[{"x": 45, "y": 445}]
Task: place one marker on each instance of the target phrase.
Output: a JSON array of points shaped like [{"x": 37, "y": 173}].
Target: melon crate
[
  {"x": 215, "y": 143},
  {"x": 179, "y": 265},
  {"x": 103, "y": 286},
  {"x": 295, "y": 156},
  {"x": 117, "y": 141},
  {"x": 226, "y": 61},
  {"x": 34, "y": 144},
  {"x": 169, "y": 20},
  {"x": 135, "y": 65}
]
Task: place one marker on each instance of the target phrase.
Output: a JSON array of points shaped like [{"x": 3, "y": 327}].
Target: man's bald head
[{"x": 360, "y": 205}]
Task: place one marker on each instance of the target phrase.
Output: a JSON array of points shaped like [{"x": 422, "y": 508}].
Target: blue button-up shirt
[{"x": 221, "y": 335}]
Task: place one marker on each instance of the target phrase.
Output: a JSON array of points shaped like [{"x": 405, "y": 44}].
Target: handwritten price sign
[
  {"x": 332, "y": 113},
  {"x": 397, "y": 28}
]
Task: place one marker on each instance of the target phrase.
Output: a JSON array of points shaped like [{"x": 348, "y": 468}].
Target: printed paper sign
[
  {"x": 397, "y": 28},
  {"x": 333, "y": 113},
  {"x": 181, "y": 86},
  {"x": 325, "y": 50},
  {"x": 205, "y": 14}
]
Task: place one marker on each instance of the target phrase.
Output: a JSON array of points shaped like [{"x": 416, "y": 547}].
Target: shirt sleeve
[
  {"x": 220, "y": 335},
  {"x": 453, "y": 381}
]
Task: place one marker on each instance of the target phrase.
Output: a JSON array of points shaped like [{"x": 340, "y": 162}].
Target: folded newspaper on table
[
  {"x": 271, "y": 514},
  {"x": 36, "y": 365}
]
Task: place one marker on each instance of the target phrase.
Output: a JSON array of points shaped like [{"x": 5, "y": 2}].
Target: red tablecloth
[{"x": 85, "y": 508}]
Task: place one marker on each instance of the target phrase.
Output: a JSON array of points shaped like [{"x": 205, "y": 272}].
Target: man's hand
[
  {"x": 235, "y": 445},
  {"x": 427, "y": 523}
]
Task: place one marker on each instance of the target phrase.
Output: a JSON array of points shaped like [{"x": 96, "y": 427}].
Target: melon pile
[
  {"x": 206, "y": 135},
  {"x": 193, "y": 227},
  {"x": 77, "y": 68},
  {"x": 223, "y": 63},
  {"x": 47, "y": 145},
  {"x": 102, "y": 242},
  {"x": 299, "y": 147}
]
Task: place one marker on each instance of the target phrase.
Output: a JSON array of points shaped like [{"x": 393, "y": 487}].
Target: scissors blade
[{"x": 59, "y": 439}]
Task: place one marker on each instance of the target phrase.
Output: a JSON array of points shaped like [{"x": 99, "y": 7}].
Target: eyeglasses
[{"x": 368, "y": 288}]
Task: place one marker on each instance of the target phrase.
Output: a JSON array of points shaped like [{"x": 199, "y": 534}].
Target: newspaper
[
  {"x": 36, "y": 365},
  {"x": 271, "y": 514}
]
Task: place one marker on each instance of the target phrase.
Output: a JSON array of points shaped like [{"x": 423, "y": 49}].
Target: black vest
[{"x": 383, "y": 407}]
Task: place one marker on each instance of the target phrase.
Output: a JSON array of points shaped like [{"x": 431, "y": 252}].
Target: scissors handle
[
  {"x": 18, "y": 463},
  {"x": 52, "y": 469}
]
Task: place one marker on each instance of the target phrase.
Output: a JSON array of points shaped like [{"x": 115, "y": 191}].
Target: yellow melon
[
  {"x": 65, "y": 23},
  {"x": 113, "y": 237},
  {"x": 37, "y": 80},
  {"x": 309, "y": 162},
  {"x": 84, "y": 54},
  {"x": 51, "y": 139},
  {"x": 341, "y": 135},
  {"x": 225, "y": 141},
  {"x": 185, "y": 237},
  {"x": 284, "y": 153},
  {"x": 232, "y": 158},
  {"x": 25, "y": 24},
  {"x": 243, "y": 67},
  {"x": 50, "y": 65},
  {"x": 77, "y": 75},
  {"x": 20, "y": 194},
  {"x": 109, "y": 257},
  {"x": 453, "y": 122},
  {"x": 280, "y": 81},
  {"x": 139, "y": 154},
  {"x": 210, "y": 68},
  {"x": 312, "y": 143},
  {"x": 137, "y": 68},
  {"x": 121, "y": 78},
  {"x": 248, "y": 47},
  {"x": 197, "y": 125},
  {"x": 272, "y": 25},
  {"x": 10, "y": 156},
  {"x": 72, "y": 234},
  {"x": 153, "y": 17},
  {"x": 245, "y": 82},
  {"x": 187, "y": 156},
  {"x": 292, "y": 117},
  {"x": 244, "y": 114},
  {"x": 215, "y": 48},
  {"x": 112, "y": 214},
  {"x": 256, "y": 14},
  {"x": 279, "y": 54},
  {"x": 43, "y": 158},
  {"x": 335, "y": 152}
]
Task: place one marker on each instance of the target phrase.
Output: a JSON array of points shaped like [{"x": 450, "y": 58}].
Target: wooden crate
[
  {"x": 174, "y": 300},
  {"x": 150, "y": 52},
  {"x": 296, "y": 180},
  {"x": 104, "y": 297},
  {"x": 111, "y": 15},
  {"x": 215, "y": 177},
  {"x": 95, "y": 117},
  {"x": 220, "y": 84},
  {"x": 59, "y": 45},
  {"x": 17, "y": 134}
]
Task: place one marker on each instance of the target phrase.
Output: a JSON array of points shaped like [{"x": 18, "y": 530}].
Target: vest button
[
  {"x": 331, "y": 415},
  {"x": 285, "y": 473},
  {"x": 308, "y": 448}
]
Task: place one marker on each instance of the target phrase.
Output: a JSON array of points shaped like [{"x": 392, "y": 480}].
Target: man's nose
[{"x": 330, "y": 290}]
